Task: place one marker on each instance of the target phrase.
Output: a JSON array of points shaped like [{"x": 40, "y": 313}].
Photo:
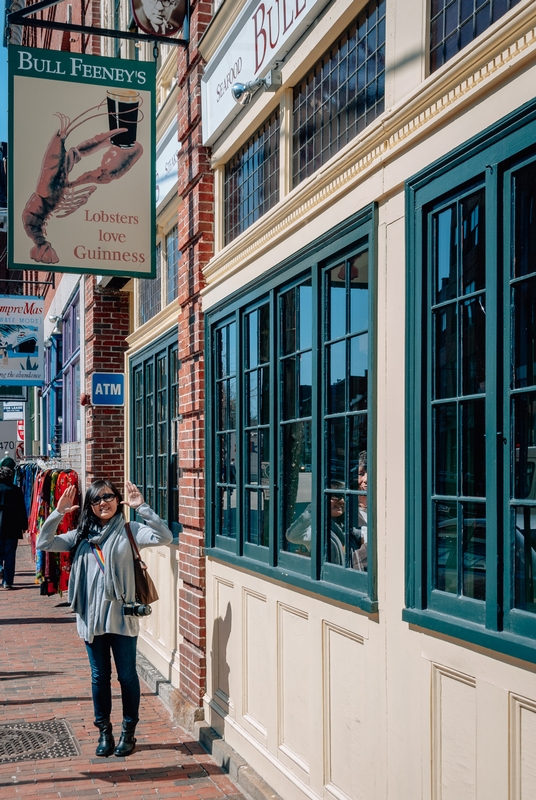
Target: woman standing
[{"x": 101, "y": 589}]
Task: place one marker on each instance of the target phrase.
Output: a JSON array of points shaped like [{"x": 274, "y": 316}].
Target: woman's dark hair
[
  {"x": 6, "y": 475},
  {"x": 87, "y": 517}
]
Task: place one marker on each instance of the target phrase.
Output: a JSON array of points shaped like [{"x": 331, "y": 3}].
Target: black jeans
[
  {"x": 8, "y": 554},
  {"x": 99, "y": 653}
]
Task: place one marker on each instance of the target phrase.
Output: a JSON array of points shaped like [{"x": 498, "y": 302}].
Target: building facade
[{"x": 369, "y": 396}]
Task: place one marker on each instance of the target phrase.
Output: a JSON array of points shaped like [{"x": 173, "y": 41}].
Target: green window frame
[
  {"x": 154, "y": 404},
  {"x": 290, "y": 419},
  {"x": 471, "y": 391}
]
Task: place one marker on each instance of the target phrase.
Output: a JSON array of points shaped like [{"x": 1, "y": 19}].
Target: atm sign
[{"x": 108, "y": 389}]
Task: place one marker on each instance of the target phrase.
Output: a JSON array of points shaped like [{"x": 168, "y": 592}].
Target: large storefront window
[
  {"x": 155, "y": 413},
  {"x": 252, "y": 179},
  {"x": 472, "y": 481},
  {"x": 342, "y": 93},
  {"x": 290, "y": 391}
]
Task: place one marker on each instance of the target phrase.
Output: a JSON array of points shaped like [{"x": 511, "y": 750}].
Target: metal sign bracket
[{"x": 22, "y": 17}]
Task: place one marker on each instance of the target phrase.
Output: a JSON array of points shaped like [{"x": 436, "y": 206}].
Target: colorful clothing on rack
[{"x": 51, "y": 569}]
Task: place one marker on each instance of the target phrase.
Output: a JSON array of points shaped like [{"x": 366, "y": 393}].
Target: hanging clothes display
[{"x": 51, "y": 569}]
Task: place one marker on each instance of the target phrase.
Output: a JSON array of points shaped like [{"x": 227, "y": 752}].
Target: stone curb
[
  {"x": 223, "y": 754},
  {"x": 251, "y": 783}
]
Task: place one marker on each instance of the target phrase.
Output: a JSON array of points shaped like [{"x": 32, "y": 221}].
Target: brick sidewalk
[{"x": 44, "y": 675}]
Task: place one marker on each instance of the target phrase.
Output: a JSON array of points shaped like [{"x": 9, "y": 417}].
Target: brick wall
[
  {"x": 107, "y": 325},
  {"x": 196, "y": 243}
]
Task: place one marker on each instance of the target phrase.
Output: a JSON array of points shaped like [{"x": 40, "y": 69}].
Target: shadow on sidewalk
[
  {"x": 39, "y": 621},
  {"x": 16, "y": 676},
  {"x": 131, "y": 771}
]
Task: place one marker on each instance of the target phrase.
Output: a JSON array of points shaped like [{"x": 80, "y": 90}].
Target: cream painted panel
[
  {"x": 257, "y": 652},
  {"x": 293, "y": 686},
  {"x": 528, "y": 754},
  {"x": 159, "y": 634},
  {"x": 523, "y": 748},
  {"x": 224, "y": 594},
  {"x": 344, "y": 690},
  {"x": 454, "y": 735}
]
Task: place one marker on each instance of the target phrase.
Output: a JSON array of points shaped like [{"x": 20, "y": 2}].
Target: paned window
[
  {"x": 154, "y": 402},
  {"x": 150, "y": 302},
  {"x": 472, "y": 317},
  {"x": 341, "y": 95},
  {"x": 290, "y": 458},
  {"x": 456, "y": 23},
  {"x": 252, "y": 179},
  {"x": 172, "y": 258},
  {"x": 71, "y": 372}
]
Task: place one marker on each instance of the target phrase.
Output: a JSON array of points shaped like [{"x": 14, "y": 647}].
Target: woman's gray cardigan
[{"x": 100, "y": 615}]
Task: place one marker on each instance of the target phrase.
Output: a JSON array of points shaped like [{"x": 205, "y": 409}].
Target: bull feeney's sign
[{"x": 82, "y": 163}]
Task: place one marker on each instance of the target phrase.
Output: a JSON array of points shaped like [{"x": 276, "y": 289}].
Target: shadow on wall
[{"x": 221, "y": 633}]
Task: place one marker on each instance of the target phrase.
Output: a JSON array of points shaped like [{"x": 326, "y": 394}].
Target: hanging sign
[
  {"x": 82, "y": 166},
  {"x": 159, "y": 17},
  {"x": 21, "y": 340}
]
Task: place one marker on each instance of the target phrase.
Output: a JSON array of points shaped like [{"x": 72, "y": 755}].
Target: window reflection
[{"x": 297, "y": 487}]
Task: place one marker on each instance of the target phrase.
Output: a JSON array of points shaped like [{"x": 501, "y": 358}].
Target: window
[
  {"x": 290, "y": 411},
  {"x": 341, "y": 95},
  {"x": 71, "y": 372},
  {"x": 150, "y": 301},
  {"x": 154, "y": 402},
  {"x": 252, "y": 179},
  {"x": 455, "y": 23},
  {"x": 472, "y": 485},
  {"x": 172, "y": 258}
]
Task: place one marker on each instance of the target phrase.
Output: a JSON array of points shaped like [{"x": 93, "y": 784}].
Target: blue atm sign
[{"x": 108, "y": 389}]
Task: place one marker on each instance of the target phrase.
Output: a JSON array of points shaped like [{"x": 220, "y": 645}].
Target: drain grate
[{"x": 25, "y": 741}]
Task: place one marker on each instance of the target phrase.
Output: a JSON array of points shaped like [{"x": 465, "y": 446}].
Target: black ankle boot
[
  {"x": 127, "y": 742},
  {"x": 106, "y": 743}
]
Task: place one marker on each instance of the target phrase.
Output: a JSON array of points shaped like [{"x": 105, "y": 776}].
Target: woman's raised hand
[
  {"x": 65, "y": 503},
  {"x": 133, "y": 494}
]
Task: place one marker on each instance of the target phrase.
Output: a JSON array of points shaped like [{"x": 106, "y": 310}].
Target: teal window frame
[
  {"x": 354, "y": 235},
  {"x": 487, "y": 160},
  {"x": 154, "y": 422}
]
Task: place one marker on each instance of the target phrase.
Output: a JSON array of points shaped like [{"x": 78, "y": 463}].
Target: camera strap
[{"x": 99, "y": 556}]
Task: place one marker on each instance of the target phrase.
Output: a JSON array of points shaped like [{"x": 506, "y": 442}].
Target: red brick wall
[
  {"x": 196, "y": 243},
  {"x": 107, "y": 326}
]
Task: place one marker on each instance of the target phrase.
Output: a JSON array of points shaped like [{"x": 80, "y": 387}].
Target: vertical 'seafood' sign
[{"x": 82, "y": 163}]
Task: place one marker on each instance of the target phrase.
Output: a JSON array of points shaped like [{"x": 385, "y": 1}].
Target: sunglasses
[
  {"x": 337, "y": 497},
  {"x": 105, "y": 497}
]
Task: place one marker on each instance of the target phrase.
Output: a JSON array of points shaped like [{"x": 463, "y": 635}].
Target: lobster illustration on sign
[{"x": 55, "y": 194}]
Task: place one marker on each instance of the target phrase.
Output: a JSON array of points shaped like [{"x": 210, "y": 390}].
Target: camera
[{"x": 137, "y": 610}]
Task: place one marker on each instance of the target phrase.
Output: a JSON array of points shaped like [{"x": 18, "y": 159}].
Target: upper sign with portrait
[
  {"x": 82, "y": 166},
  {"x": 159, "y": 17}
]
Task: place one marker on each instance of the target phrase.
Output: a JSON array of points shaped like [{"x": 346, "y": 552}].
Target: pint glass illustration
[{"x": 124, "y": 112}]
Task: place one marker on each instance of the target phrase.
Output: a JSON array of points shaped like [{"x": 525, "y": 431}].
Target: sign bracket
[{"x": 22, "y": 17}]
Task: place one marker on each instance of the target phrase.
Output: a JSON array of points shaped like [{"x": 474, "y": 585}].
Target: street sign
[
  {"x": 108, "y": 389},
  {"x": 8, "y": 438}
]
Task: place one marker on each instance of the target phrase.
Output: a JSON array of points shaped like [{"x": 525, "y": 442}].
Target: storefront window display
[
  {"x": 154, "y": 400},
  {"x": 292, "y": 450},
  {"x": 472, "y": 488}
]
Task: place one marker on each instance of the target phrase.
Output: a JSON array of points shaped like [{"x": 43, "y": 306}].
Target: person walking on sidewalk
[
  {"x": 101, "y": 590},
  {"x": 13, "y": 521}
]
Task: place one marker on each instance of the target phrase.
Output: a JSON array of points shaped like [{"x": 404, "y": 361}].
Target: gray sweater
[{"x": 99, "y": 615}]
